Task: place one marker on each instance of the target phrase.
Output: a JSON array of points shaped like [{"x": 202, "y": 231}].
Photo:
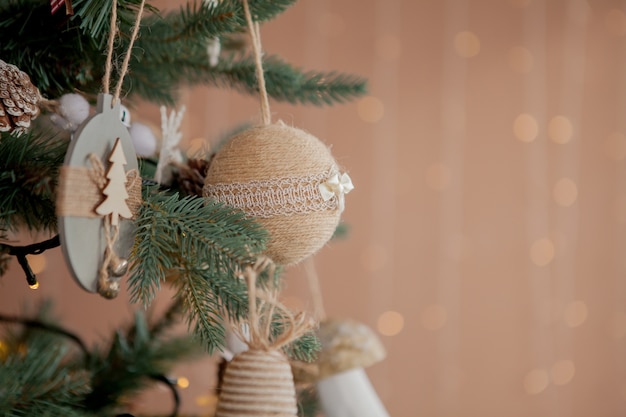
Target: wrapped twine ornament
[
  {"x": 282, "y": 176},
  {"x": 258, "y": 382}
]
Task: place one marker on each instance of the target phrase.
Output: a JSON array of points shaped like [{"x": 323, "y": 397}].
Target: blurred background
[{"x": 487, "y": 229}]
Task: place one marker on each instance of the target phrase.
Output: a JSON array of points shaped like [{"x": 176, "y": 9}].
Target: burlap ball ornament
[{"x": 288, "y": 180}]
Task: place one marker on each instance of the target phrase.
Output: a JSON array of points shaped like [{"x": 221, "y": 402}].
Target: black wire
[
  {"x": 48, "y": 327},
  {"x": 20, "y": 253}
]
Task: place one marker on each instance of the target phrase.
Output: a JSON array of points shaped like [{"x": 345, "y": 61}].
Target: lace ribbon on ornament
[{"x": 284, "y": 196}]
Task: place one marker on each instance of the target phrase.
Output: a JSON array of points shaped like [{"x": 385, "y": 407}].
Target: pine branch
[
  {"x": 29, "y": 167},
  {"x": 286, "y": 83},
  {"x": 132, "y": 359},
  {"x": 37, "y": 380},
  {"x": 174, "y": 233}
]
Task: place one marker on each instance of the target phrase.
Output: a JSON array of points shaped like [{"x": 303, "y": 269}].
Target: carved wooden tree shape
[{"x": 115, "y": 190}]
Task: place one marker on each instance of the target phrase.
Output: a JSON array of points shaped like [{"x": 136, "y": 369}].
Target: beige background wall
[{"x": 488, "y": 224}]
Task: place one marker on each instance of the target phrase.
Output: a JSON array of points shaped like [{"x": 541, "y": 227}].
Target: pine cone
[
  {"x": 190, "y": 178},
  {"x": 18, "y": 99}
]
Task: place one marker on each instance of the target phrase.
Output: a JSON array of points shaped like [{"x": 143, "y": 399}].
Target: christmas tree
[{"x": 198, "y": 244}]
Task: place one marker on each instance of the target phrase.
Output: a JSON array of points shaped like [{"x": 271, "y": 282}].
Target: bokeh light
[
  {"x": 182, "y": 382},
  {"x": 390, "y": 323},
  {"x": 542, "y": 252},
  {"x": 560, "y": 130},
  {"x": 525, "y": 127},
  {"x": 562, "y": 372},
  {"x": 536, "y": 381},
  {"x": 466, "y": 44}
]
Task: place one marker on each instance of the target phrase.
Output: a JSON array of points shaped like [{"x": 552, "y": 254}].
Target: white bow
[{"x": 337, "y": 185}]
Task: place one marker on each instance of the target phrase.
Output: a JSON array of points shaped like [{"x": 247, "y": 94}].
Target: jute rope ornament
[
  {"x": 284, "y": 177},
  {"x": 93, "y": 204},
  {"x": 259, "y": 382}
]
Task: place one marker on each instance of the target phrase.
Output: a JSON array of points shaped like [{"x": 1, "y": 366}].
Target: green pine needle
[{"x": 29, "y": 167}]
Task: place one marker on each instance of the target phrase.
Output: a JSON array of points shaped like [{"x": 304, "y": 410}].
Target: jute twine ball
[
  {"x": 273, "y": 173},
  {"x": 258, "y": 383}
]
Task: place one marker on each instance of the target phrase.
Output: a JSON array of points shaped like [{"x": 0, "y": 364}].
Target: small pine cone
[
  {"x": 19, "y": 99},
  {"x": 190, "y": 177}
]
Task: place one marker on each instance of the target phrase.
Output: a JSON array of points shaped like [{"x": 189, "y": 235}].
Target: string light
[{"x": 182, "y": 382}]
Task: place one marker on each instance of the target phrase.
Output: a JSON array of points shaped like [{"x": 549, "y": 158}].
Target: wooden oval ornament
[{"x": 83, "y": 237}]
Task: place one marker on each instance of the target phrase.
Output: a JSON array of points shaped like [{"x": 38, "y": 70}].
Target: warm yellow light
[
  {"x": 466, "y": 44},
  {"x": 520, "y": 59},
  {"x": 562, "y": 372},
  {"x": 434, "y": 317},
  {"x": 565, "y": 192},
  {"x": 536, "y": 381},
  {"x": 615, "y": 146},
  {"x": 37, "y": 262},
  {"x": 438, "y": 177},
  {"x": 390, "y": 323},
  {"x": 206, "y": 400},
  {"x": 370, "y": 109},
  {"x": 525, "y": 127},
  {"x": 542, "y": 252},
  {"x": 615, "y": 22},
  {"x": 34, "y": 286},
  {"x": 182, "y": 382},
  {"x": 560, "y": 130},
  {"x": 575, "y": 313}
]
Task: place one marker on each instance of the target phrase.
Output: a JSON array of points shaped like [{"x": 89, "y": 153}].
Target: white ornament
[
  {"x": 143, "y": 139},
  {"x": 349, "y": 394},
  {"x": 170, "y": 126},
  {"x": 73, "y": 110}
]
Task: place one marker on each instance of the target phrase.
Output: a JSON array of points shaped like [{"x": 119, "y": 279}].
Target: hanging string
[
  {"x": 106, "y": 80},
  {"x": 109, "y": 62},
  {"x": 255, "y": 37},
  {"x": 315, "y": 289}
]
